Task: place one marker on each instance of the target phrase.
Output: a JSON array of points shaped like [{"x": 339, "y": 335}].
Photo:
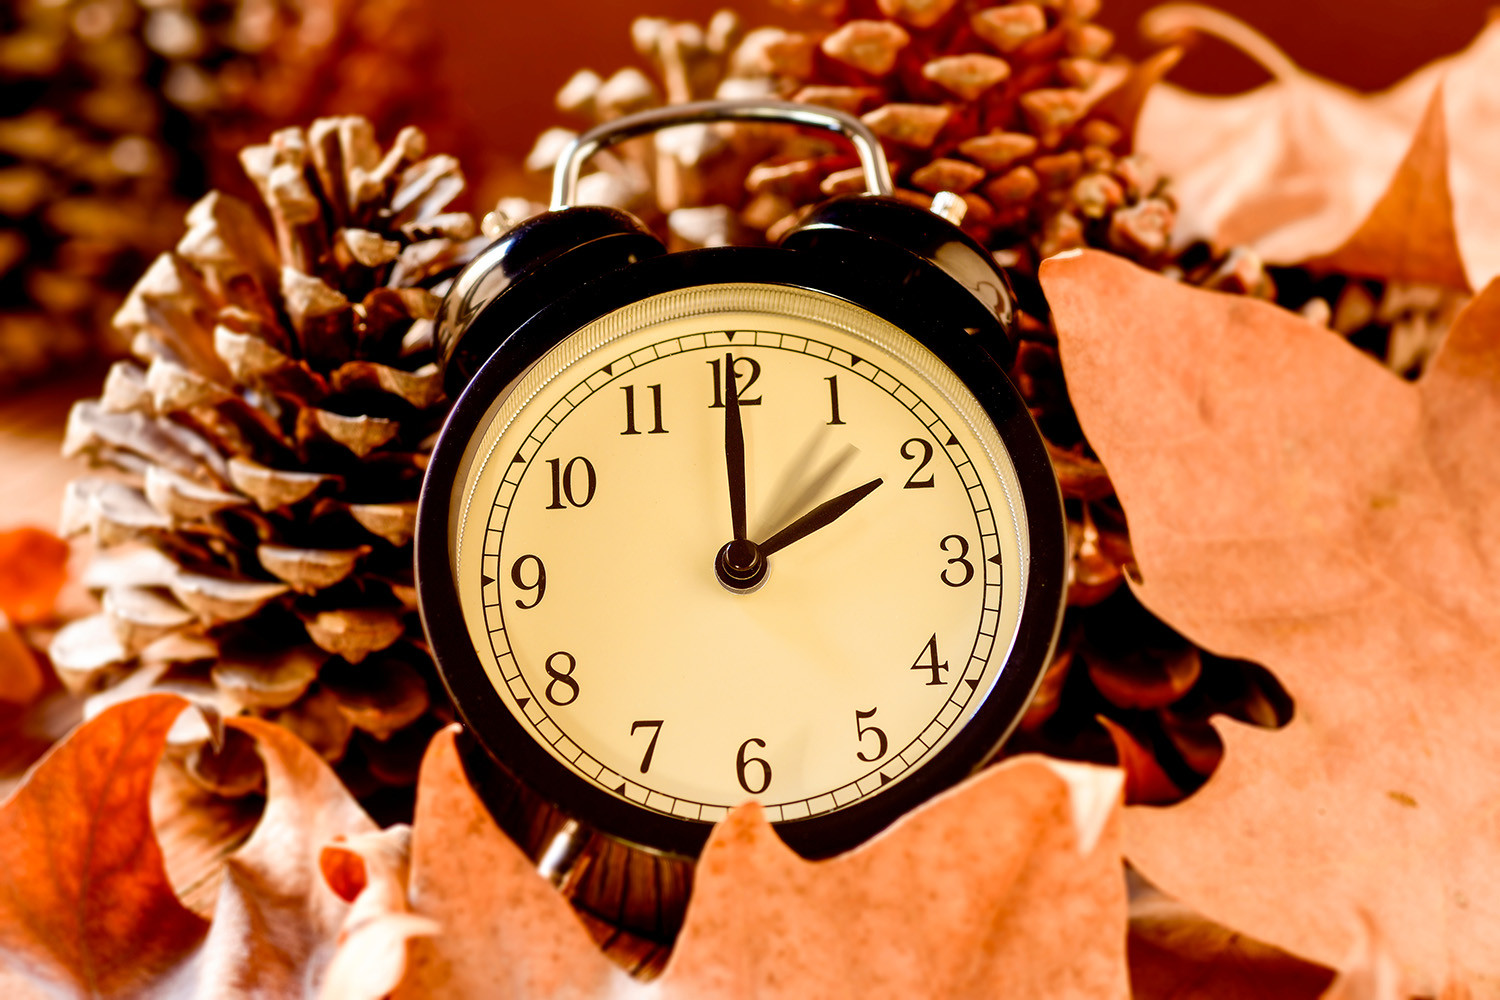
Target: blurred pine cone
[
  {"x": 124, "y": 111},
  {"x": 254, "y": 549},
  {"x": 1020, "y": 109}
]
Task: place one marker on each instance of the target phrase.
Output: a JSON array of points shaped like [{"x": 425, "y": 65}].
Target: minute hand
[{"x": 820, "y": 516}]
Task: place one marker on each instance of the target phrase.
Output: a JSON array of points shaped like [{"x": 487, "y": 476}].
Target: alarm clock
[{"x": 736, "y": 523}]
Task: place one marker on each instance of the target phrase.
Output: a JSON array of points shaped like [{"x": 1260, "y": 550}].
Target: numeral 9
[{"x": 539, "y": 585}]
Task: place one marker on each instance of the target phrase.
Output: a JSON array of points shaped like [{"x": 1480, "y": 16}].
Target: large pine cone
[
  {"x": 255, "y": 553},
  {"x": 125, "y": 111}
]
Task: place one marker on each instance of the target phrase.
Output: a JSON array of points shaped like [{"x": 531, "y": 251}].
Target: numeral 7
[{"x": 650, "y": 747}]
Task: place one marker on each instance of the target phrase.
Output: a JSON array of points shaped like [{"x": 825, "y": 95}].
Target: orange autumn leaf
[
  {"x": 1293, "y": 503},
  {"x": 33, "y": 569},
  {"x": 1008, "y": 885},
  {"x": 1395, "y": 185},
  {"x": 86, "y": 908}
]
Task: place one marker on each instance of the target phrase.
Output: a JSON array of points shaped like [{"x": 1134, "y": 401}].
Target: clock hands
[
  {"x": 820, "y": 516},
  {"x": 741, "y": 563}
]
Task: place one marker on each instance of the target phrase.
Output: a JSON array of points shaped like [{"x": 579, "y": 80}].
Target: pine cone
[
  {"x": 1021, "y": 110},
  {"x": 129, "y": 110},
  {"x": 256, "y": 552}
]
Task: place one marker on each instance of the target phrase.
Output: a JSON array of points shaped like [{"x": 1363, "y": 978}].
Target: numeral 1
[
  {"x": 630, "y": 409},
  {"x": 833, "y": 399}
]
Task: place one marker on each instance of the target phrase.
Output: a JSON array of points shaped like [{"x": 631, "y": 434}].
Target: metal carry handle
[{"x": 871, "y": 157}]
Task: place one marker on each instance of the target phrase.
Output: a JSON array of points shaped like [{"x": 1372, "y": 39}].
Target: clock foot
[{"x": 740, "y": 567}]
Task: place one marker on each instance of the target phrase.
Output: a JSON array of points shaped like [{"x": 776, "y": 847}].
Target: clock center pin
[{"x": 740, "y": 566}]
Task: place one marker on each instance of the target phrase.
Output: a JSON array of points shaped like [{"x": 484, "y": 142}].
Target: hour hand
[{"x": 820, "y": 516}]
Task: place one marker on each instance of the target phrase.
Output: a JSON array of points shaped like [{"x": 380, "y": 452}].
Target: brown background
[{"x": 506, "y": 58}]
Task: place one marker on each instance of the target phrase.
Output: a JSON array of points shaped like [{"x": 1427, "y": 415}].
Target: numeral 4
[{"x": 929, "y": 661}]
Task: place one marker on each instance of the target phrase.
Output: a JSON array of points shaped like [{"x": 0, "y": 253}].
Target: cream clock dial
[{"x": 811, "y": 643}]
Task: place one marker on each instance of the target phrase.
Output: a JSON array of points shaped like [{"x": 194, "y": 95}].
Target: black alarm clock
[{"x": 737, "y": 523}]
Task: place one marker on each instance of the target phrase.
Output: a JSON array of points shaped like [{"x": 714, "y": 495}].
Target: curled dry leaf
[
  {"x": 1010, "y": 882},
  {"x": 99, "y": 918},
  {"x": 1396, "y": 185},
  {"x": 1024, "y": 897},
  {"x": 1295, "y": 504}
]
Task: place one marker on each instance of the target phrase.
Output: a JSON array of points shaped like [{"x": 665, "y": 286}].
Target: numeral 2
[
  {"x": 913, "y": 483},
  {"x": 630, "y": 410},
  {"x": 718, "y": 368}
]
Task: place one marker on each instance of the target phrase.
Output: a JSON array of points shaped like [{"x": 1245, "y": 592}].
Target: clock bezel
[{"x": 874, "y": 288}]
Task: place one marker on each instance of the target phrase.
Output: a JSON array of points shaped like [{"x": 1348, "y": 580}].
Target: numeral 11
[{"x": 630, "y": 409}]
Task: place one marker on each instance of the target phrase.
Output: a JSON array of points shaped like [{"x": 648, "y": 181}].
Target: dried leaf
[
  {"x": 1032, "y": 908},
  {"x": 99, "y": 918},
  {"x": 1295, "y": 504},
  {"x": 33, "y": 569},
  {"x": 371, "y": 871},
  {"x": 1396, "y": 184},
  {"x": 1409, "y": 234}
]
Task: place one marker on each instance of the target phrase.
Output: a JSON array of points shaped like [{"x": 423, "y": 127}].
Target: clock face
[{"x": 590, "y": 517}]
